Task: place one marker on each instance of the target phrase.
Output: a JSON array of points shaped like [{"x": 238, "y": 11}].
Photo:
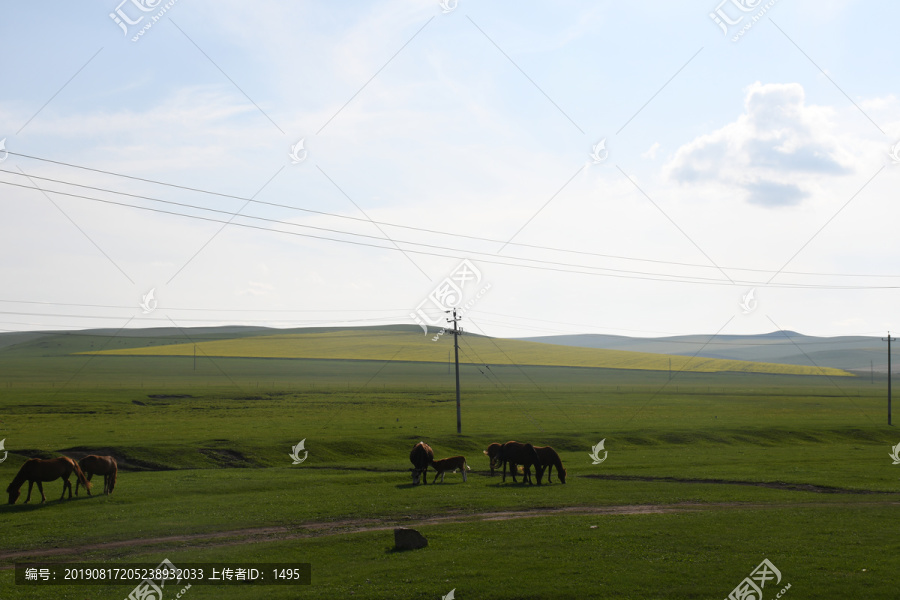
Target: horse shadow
[
  {"x": 396, "y": 550},
  {"x": 19, "y": 508},
  {"x": 22, "y": 507},
  {"x": 406, "y": 486},
  {"x": 517, "y": 485}
]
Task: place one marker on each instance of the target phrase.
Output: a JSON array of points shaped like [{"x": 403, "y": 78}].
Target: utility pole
[
  {"x": 456, "y": 332},
  {"x": 889, "y": 340}
]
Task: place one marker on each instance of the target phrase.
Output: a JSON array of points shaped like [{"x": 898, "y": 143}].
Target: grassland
[
  {"x": 707, "y": 474},
  {"x": 406, "y": 346}
]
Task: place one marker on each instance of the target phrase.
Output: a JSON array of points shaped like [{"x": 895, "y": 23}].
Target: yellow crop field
[{"x": 386, "y": 345}]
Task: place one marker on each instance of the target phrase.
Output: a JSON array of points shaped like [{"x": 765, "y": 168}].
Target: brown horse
[
  {"x": 37, "y": 470},
  {"x": 421, "y": 456},
  {"x": 549, "y": 458},
  {"x": 99, "y": 465},
  {"x": 517, "y": 453},
  {"x": 493, "y": 454}
]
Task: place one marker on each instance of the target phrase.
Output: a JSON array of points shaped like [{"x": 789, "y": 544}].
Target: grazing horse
[
  {"x": 421, "y": 456},
  {"x": 493, "y": 454},
  {"x": 549, "y": 459},
  {"x": 517, "y": 453},
  {"x": 37, "y": 470},
  {"x": 99, "y": 465},
  {"x": 452, "y": 464}
]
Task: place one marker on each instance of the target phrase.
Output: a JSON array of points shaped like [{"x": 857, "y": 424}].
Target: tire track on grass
[
  {"x": 775, "y": 485},
  {"x": 314, "y": 529}
]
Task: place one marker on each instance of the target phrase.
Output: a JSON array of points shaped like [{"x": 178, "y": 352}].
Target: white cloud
[
  {"x": 775, "y": 151},
  {"x": 651, "y": 153}
]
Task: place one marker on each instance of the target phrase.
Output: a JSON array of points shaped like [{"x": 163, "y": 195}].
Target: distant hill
[
  {"x": 60, "y": 343},
  {"x": 776, "y": 348},
  {"x": 852, "y": 353},
  {"x": 407, "y": 343}
]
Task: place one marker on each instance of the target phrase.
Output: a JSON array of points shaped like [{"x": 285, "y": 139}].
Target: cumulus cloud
[{"x": 774, "y": 152}]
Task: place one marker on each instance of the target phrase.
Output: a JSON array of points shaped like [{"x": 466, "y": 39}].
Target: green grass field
[{"x": 707, "y": 475}]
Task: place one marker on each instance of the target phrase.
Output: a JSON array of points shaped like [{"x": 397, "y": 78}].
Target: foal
[{"x": 452, "y": 464}]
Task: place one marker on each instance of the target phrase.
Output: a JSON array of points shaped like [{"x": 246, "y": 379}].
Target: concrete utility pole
[
  {"x": 456, "y": 332},
  {"x": 889, "y": 339}
]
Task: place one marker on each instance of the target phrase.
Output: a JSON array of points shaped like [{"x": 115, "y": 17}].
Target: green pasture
[
  {"x": 786, "y": 467},
  {"x": 690, "y": 555}
]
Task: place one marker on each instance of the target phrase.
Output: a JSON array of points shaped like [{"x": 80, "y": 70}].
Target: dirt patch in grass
[
  {"x": 338, "y": 527},
  {"x": 777, "y": 485},
  {"x": 312, "y": 529}
]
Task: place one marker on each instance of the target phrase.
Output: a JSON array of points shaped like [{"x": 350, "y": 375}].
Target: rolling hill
[
  {"x": 851, "y": 353},
  {"x": 403, "y": 343}
]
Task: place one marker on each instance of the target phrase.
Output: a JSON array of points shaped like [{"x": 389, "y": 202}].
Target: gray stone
[{"x": 408, "y": 539}]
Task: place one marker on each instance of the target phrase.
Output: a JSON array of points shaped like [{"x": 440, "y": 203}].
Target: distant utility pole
[
  {"x": 889, "y": 339},
  {"x": 456, "y": 332}
]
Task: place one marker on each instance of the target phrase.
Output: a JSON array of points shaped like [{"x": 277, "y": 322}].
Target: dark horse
[
  {"x": 421, "y": 456},
  {"x": 517, "y": 453},
  {"x": 37, "y": 470},
  {"x": 493, "y": 454},
  {"x": 99, "y": 465},
  {"x": 549, "y": 458}
]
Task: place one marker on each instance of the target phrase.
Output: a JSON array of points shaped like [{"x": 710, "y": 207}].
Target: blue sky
[{"x": 759, "y": 164}]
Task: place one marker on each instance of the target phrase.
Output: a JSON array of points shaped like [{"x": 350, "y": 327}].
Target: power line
[
  {"x": 596, "y": 271},
  {"x": 662, "y": 277},
  {"x": 499, "y": 384},
  {"x": 396, "y": 225},
  {"x": 206, "y": 309},
  {"x": 521, "y": 370},
  {"x": 400, "y": 313},
  {"x": 196, "y": 319}
]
